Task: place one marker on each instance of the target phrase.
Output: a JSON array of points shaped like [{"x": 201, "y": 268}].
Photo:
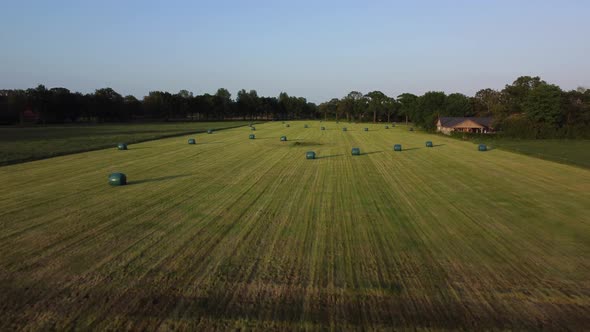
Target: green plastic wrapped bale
[
  {"x": 323, "y": 128},
  {"x": 283, "y": 138},
  {"x": 397, "y": 147},
  {"x": 386, "y": 127},
  {"x": 411, "y": 128},
  {"x": 117, "y": 179},
  {"x": 305, "y": 126},
  {"x": 122, "y": 146},
  {"x": 482, "y": 147},
  {"x": 287, "y": 125},
  {"x": 252, "y": 136},
  {"x": 356, "y": 151},
  {"x": 429, "y": 144},
  {"x": 192, "y": 141},
  {"x": 366, "y": 129},
  {"x": 344, "y": 129},
  {"x": 210, "y": 131},
  {"x": 310, "y": 155}
]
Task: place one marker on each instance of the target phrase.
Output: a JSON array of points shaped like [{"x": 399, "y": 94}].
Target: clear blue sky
[{"x": 315, "y": 49}]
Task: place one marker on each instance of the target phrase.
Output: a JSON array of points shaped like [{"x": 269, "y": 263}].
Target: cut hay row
[{"x": 232, "y": 233}]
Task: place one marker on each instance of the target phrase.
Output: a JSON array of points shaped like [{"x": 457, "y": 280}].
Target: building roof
[{"x": 453, "y": 121}]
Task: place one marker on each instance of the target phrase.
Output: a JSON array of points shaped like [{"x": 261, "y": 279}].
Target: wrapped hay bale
[{"x": 117, "y": 179}]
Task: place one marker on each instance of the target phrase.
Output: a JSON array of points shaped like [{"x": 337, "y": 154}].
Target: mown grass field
[
  {"x": 575, "y": 152},
  {"x": 32, "y": 143},
  {"x": 233, "y": 233}
]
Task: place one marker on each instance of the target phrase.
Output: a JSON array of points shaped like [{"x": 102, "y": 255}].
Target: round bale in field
[
  {"x": 287, "y": 125},
  {"x": 305, "y": 126},
  {"x": 192, "y": 141},
  {"x": 482, "y": 147},
  {"x": 252, "y": 136},
  {"x": 429, "y": 144},
  {"x": 397, "y": 147},
  {"x": 122, "y": 146},
  {"x": 283, "y": 138},
  {"x": 210, "y": 131},
  {"x": 323, "y": 128},
  {"x": 117, "y": 179},
  {"x": 366, "y": 129},
  {"x": 344, "y": 129},
  {"x": 356, "y": 151},
  {"x": 386, "y": 127},
  {"x": 310, "y": 155}
]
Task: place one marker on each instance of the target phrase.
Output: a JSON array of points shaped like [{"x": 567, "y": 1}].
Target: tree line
[
  {"x": 528, "y": 108},
  {"x": 60, "y": 105}
]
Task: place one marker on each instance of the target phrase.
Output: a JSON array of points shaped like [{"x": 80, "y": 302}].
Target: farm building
[{"x": 465, "y": 125}]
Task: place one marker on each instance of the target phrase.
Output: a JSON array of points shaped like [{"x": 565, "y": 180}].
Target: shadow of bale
[{"x": 163, "y": 178}]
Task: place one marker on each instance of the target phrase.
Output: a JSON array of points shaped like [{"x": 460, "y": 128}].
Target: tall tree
[
  {"x": 222, "y": 102},
  {"x": 458, "y": 104},
  {"x": 329, "y": 107},
  {"x": 254, "y": 103},
  {"x": 157, "y": 104},
  {"x": 107, "y": 104},
  {"x": 377, "y": 103},
  {"x": 517, "y": 92},
  {"x": 13, "y": 104},
  {"x": 248, "y": 103},
  {"x": 407, "y": 105},
  {"x": 356, "y": 105},
  {"x": 544, "y": 104},
  {"x": 428, "y": 108},
  {"x": 39, "y": 100},
  {"x": 132, "y": 106},
  {"x": 391, "y": 106},
  {"x": 489, "y": 102},
  {"x": 284, "y": 105}
]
